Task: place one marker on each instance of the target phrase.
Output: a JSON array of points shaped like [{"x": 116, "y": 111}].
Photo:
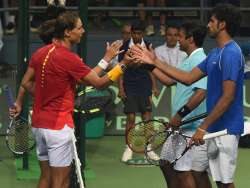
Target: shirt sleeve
[
  {"x": 77, "y": 68},
  {"x": 200, "y": 84},
  {"x": 230, "y": 64},
  {"x": 203, "y": 66}
]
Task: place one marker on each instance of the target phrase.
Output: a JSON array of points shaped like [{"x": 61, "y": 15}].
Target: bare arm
[
  {"x": 27, "y": 84},
  {"x": 184, "y": 77},
  {"x": 221, "y": 106},
  {"x": 146, "y": 56},
  {"x": 96, "y": 81},
  {"x": 155, "y": 90},
  {"x": 163, "y": 78}
]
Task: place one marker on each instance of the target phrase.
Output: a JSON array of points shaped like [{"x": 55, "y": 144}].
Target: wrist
[
  {"x": 183, "y": 111},
  {"x": 201, "y": 130},
  {"x": 103, "y": 64},
  {"x": 107, "y": 58}
]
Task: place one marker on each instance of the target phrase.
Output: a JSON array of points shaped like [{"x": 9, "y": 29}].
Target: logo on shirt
[{"x": 214, "y": 62}]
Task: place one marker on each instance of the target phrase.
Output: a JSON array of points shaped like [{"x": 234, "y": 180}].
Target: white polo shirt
[{"x": 172, "y": 56}]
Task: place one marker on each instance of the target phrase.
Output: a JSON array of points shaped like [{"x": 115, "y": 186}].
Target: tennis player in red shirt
[{"x": 52, "y": 75}]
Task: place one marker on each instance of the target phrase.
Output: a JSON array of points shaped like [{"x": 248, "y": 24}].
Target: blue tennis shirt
[{"x": 222, "y": 64}]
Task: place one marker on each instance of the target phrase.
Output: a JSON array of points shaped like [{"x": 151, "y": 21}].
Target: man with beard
[
  {"x": 189, "y": 171},
  {"x": 224, "y": 68},
  {"x": 170, "y": 52}
]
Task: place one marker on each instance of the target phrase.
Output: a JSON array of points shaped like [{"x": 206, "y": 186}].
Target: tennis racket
[
  {"x": 77, "y": 162},
  {"x": 171, "y": 144},
  {"x": 18, "y": 135},
  {"x": 138, "y": 135}
]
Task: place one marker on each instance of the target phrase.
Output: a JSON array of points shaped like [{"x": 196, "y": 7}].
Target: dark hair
[
  {"x": 66, "y": 20},
  {"x": 172, "y": 25},
  {"x": 138, "y": 25},
  {"x": 196, "y": 30},
  {"x": 47, "y": 30},
  {"x": 230, "y": 15}
]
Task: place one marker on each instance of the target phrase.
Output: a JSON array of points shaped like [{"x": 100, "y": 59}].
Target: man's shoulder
[{"x": 161, "y": 47}]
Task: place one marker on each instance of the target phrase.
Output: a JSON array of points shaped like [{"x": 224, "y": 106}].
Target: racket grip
[
  {"x": 215, "y": 134},
  {"x": 9, "y": 95}
]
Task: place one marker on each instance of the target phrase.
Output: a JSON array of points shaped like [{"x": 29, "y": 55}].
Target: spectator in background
[
  {"x": 148, "y": 18},
  {"x": 53, "y": 3},
  {"x": 126, "y": 35},
  {"x": 170, "y": 52},
  {"x": 9, "y": 17},
  {"x": 246, "y": 51},
  {"x": 136, "y": 86}
]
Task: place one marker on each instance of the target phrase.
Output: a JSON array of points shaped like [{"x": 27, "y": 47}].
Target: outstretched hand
[
  {"x": 142, "y": 54},
  {"x": 112, "y": 50}
]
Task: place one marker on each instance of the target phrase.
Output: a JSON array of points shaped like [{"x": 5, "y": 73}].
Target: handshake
[
  {"x": 137, "y": 54},
  {"x": 140, "y": 54}
]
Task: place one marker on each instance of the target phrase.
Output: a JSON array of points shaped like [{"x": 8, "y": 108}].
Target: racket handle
[
  {"x": 192, "y": 119},
  {"x": 9, "y": 95},
  {"x": 215, "y": 134}
]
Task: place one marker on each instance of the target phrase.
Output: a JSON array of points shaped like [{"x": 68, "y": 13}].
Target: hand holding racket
[
  {"x": 138, "y": 135},
  {"x": 176, "y": 144},
  {"x": 18, "y": 134}
]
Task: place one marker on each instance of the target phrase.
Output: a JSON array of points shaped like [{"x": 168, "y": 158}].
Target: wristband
[
  {"x": 103, "y": 64},
  {"x": 115, "y": 73},
  {"x": 183, "y": 111},
  {"x": 202, "y": 130},
  {"x": 150, "y": 67}
]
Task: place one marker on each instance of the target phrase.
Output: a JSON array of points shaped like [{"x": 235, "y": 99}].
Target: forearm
[
  {"x": 101, "y": 82},
  {"x": 28, "y": 86},
  {"x": 153, "y": 79},
  {"x": 20, "y": 95},
  {"x": 222, "y": 105},
  {"x": 196, "y": 99},
  {"x": 186, "y": 78},
  {"x": 163, "y": 78}
]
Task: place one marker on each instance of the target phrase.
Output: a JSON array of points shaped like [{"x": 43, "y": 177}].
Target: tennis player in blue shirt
[{"x": 224, "y": 68}]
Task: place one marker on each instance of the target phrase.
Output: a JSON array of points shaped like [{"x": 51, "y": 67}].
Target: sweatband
[
  {"x": 115, "y": 73},
  {"x": 202, "y": 130},
  {"x": 183, "y": 111},
  {"x": 103, "y": 64}
]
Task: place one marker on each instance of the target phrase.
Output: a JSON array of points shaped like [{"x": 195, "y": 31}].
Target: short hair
[
  {"x": 172, "y": 25},
  {"x": 67, "y": 20},
  {"x": 230, "y": 15},
  {"x": 47, "y": 30},
  {"x": 195, "y": 29},
  {"x": 138, "y": 25}
]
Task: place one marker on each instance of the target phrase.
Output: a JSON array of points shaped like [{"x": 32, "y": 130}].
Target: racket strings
[
  {"x": 138, "y": 135},
  {"x": 20, "y": 136},
  {"x": 173, "y": 148}
]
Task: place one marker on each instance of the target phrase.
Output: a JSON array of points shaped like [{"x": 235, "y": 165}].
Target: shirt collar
[
  {"x": 195, "y": 51},
  {"x": 131, "y": 43}
]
